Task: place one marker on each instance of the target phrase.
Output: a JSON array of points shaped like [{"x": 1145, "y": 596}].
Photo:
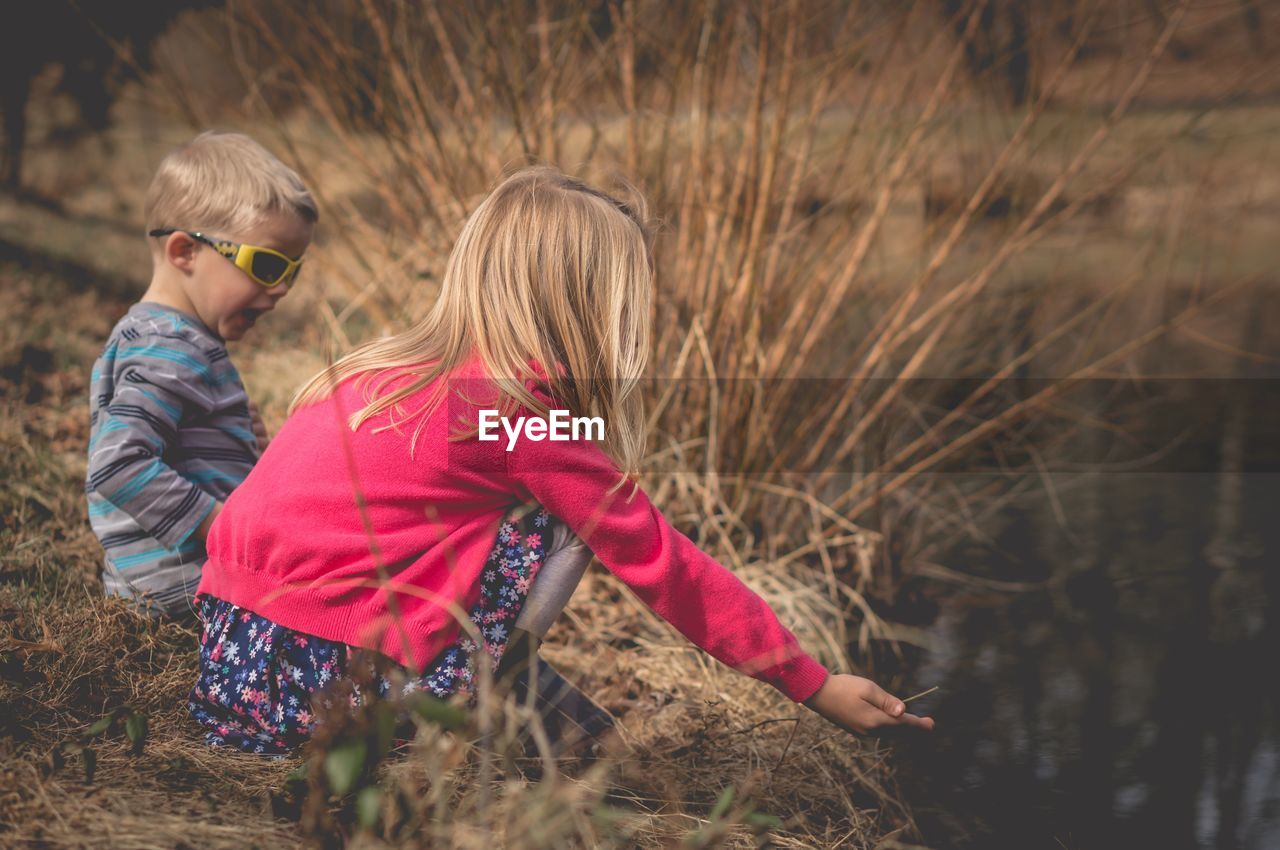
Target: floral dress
[{"x": 257, "y": 678}]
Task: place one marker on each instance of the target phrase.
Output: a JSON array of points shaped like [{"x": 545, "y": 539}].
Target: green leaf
[
  {"x": 344, "y": 764},
  {"x": 384, "y": 723},
  {"x": 135, "y": 727},
  {"x": 722, "y": 805},
  {"x": 100, "y": 725},
  {"x": 437, "y": 711},
  {"x": 763, "y": 819},
  {"x": 607, "y": 815},
  {"x": 369, "y": 806}
]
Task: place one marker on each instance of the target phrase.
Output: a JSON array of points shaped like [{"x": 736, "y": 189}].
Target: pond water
[{"x": 1129, "y": 699}]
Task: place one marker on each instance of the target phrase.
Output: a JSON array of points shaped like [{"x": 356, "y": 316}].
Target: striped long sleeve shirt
[{"x": 170, "y": 436}]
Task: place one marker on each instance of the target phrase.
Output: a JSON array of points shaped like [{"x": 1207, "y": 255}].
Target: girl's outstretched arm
[
  {"x": 705, "y": 601},
  {"x": 688, "y": 588}
]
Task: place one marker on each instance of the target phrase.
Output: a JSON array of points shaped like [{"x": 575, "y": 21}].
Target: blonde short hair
[{"x": 225, "y": 184}]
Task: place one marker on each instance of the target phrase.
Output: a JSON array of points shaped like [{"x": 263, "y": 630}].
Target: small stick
[{"x": 921, "y": 694}]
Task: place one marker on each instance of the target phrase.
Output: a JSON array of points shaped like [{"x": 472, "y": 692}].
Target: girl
[{"x": 380, "y": 518}]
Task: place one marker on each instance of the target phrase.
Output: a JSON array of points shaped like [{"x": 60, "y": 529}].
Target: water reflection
[{"x": 1132, "y": 702}]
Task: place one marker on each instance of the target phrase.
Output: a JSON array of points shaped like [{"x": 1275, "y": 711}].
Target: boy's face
[{"x": 226, "y": 299}]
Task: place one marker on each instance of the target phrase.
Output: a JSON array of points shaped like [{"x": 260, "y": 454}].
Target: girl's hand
[
  {"x": 860, "y": 705},
  {"x": 259, "y": 429}
]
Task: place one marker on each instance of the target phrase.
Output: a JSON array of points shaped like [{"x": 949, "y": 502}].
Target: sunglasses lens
[{"x": 268, "y": 267}]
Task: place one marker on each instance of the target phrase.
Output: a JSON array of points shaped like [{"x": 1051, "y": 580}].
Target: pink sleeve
[{"x": 688, "y": 588}]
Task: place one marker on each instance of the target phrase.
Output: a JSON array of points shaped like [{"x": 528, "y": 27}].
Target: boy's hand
[
  {"x": 860, "y": 705},
  {"x": 259, "y": 430},
  {"x": 202, "y": 530}
]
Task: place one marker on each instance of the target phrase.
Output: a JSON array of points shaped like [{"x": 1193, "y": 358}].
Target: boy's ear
[{"x": 180, "y": 251}]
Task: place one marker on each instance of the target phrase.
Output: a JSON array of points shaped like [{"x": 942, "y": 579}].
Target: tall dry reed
[{"x": 845, "y": 198}]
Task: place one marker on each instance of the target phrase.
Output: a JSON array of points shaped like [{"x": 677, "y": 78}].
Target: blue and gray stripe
[{"x": 170, "y": 436}]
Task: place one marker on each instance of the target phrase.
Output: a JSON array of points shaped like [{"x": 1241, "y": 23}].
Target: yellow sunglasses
[{"x": 267, "y": 267}]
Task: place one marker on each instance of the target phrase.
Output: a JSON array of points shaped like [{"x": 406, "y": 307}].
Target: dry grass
[
  {"x": 845, "y": 198},
  {"x": 69, "y": 656}
]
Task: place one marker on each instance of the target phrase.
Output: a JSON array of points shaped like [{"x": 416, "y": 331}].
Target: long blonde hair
[{"x": 546, "y": 268}]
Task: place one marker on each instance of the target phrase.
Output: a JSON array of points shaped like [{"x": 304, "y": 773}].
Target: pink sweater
[{"x": 291, "y": 543}]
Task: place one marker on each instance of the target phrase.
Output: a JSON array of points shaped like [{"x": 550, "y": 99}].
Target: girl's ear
[{"x": 180, "y": 251}]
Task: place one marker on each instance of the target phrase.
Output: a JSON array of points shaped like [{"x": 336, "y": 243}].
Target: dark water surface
[{"x": 1130, "y": 700}]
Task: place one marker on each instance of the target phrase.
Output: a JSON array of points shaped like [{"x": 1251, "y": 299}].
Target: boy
[{"x": 172, "y": 429}]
